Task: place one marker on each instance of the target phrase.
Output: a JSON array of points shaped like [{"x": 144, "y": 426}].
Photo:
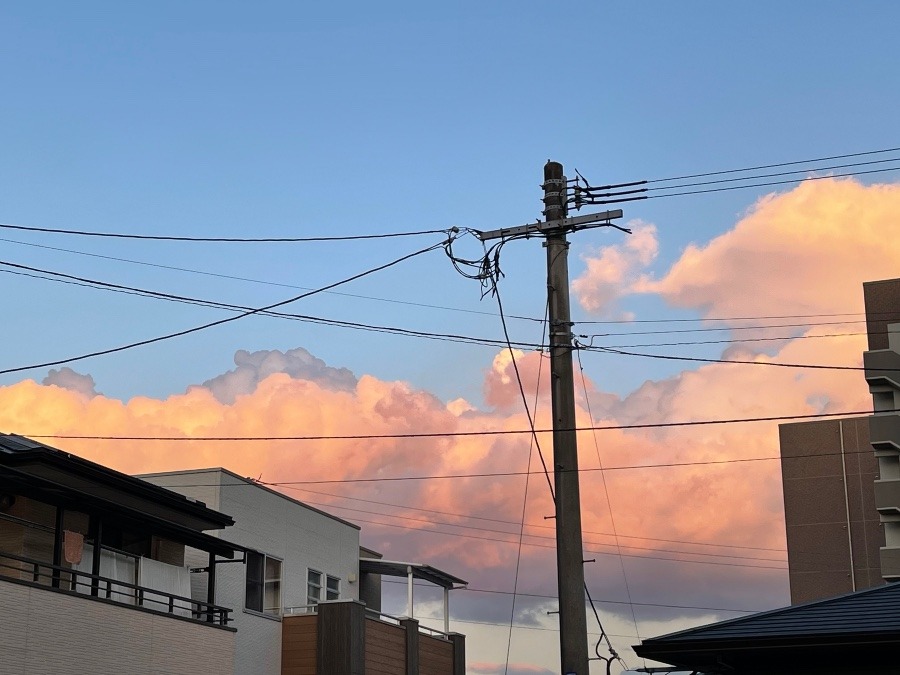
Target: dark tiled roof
[{"x": 874, "y": 610}]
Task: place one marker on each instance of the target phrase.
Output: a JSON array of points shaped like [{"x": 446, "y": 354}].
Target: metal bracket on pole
[{"x": 561, "y": 225}]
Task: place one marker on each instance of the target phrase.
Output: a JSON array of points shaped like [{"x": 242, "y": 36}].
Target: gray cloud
[
  {"x": 67, "y": 378},
  {"x": 253, "y": 367}
]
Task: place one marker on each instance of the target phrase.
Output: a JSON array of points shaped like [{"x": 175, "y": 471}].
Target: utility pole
[{"x": 569, "y": 554}]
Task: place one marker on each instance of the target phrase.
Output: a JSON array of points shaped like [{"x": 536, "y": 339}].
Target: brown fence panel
[
  {"x": 385, "y": 648},
  {"x": 435, "y": 656},
  {"x": 298, "y": 644}
]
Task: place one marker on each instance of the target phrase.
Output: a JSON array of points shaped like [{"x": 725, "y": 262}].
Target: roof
[
  {"x": 811, "y": 631},
  {"x": 247, "y": 481},
  {"x": 394, "y": 568},
  {"x": 72, "y": 481}
]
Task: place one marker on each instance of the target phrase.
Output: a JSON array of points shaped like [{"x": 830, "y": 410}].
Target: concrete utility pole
[{"x": 569, "y": 555}]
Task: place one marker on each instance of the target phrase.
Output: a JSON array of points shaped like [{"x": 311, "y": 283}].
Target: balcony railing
[
  {"x": 882, "y": 367},
  {"x": 370, "y": 614},
  {"x": 884, "y": 431},
  {"x": 44, "y": 574}
]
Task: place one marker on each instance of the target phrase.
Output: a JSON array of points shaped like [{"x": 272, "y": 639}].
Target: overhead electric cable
[
  {"x": 695, "y": 359},
  {"x": 595, "y": 552},
  {"x": 264, "y": 240},
  {"x": 767, "y": 184},
  {"x": 533, "y": 442},
  {"x": 774, "y": 175},
  {"x": 482, "y": 518},
  {"x": 471, "y": 589},
  {"x": 141, "y": 292},
  {"x": 609, "y": 508},
  {"x": 264, "y": 282},
  {"x": 450, "y": 434},
  {"x": 219, "y": 322},
  {"x": 775, "y": 166}
]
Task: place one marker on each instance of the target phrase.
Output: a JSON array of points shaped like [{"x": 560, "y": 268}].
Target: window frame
[
  {"x": 310, "y": 599},
  {"x": 262, "y": 563},
  {"x": 328, "y": 589}
]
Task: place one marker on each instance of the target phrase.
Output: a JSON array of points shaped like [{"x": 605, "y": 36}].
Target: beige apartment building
[{"x": 841, "y": 477}]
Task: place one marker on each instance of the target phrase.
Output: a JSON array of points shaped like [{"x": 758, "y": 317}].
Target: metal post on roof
[
  {"x": 409, "y": 591},
  {"x": 446, "y": 609}
]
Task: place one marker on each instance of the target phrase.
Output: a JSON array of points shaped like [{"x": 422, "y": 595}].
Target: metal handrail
[
  {"x": 300, "y": 610},
  {"x": 68, "y": 579},
  {"x": 395, "y": 620}
]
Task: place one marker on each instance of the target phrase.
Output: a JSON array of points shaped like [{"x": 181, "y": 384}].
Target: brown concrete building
[
  {"x": 834, "y": 534},
  {"x": 841, "y": 478}
]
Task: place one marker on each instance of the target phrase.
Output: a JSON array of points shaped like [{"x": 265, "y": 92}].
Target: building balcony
[
  {"x": 344, "y": 637},
  {"x": 887, "y": 496},
  {"x": 882, "y": 368},
  {"x": 884, "y": 431},
  {"x": 890, "y": 563},
  {"x": 70, "y": 580},
  {"x": 52, "y": 623}
]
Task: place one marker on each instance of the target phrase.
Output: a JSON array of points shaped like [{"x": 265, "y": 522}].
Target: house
[
  {"x": 95, "y": 564},
  {"x": 308, "y": 597},
  {"x": 856, "y": 633},
  {"x": 92, "y": 570}
]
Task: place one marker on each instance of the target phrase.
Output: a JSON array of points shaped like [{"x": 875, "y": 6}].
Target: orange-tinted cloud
[
  {"x": 805, "y": 251},
  {"x": 616, "y": 268},
  {"x": 800, "y": 252}
]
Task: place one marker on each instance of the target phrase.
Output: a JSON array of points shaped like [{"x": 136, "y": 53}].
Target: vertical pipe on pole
[
  {"x": 446, "y": 610},
  {"x": 569, "y": 554},
  {"x": 409, "y": 591}
]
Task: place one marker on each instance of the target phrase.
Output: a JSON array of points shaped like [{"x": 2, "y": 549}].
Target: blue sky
[{"x": 287, "y": 119}]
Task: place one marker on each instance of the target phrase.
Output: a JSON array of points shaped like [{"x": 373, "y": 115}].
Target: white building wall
[
  {"x": 55, "y": 633},
  {"x": 300, "y": 536}
]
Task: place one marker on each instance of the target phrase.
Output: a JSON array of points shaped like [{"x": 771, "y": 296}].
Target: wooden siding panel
[
  {"x": 299, "y": 636},
  {"x": 385, "y": 648},
  {"x": 435, "y": 656}
]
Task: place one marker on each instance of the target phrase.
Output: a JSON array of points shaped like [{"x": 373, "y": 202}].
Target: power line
[
  {"x": 492, "y": 520},
  {"x": 281, "y": 240},
  {"x": 553, "y": 547},
  {"x": 773, "y": 175},
  {"x": 533, "y": 536},
  {"x": 451, "y": 434},
  {"x": 261, "y": 281},
  {"x": 696, "y": 359},
  {"x": 719, "y": 329},
  {"x": 219, "y": 322},
  {"x": 604, "y": 601},
  {"x": 472, "y": 311},
  {"x": 737, "y": 340},
  {"x": 770, "y": 183},
  {"x": 60, "y": 277},
  {"x": 775, "y": 166}
]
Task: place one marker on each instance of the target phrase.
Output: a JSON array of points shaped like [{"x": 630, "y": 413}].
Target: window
[
  {"x": 332, "y": 588},
  {"x": 313, "y": 587},
  {"x": 263, "y": 584}
]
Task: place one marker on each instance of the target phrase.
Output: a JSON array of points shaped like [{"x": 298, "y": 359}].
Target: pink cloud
[{"x": 615, "y": 269}]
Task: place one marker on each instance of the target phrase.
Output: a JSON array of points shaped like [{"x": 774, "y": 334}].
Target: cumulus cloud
[
  {"x": 253, "y": 367},
  {"x": 614, "y": 270},
  {"x": 67, "y": 378},
  {"x": 662, "y": 490}
]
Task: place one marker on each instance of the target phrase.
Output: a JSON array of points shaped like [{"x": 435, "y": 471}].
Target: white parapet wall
[{"x": 46, "y": 631}]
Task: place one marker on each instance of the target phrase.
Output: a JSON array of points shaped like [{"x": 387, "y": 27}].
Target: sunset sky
[{"x": 215, "y": 119}]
